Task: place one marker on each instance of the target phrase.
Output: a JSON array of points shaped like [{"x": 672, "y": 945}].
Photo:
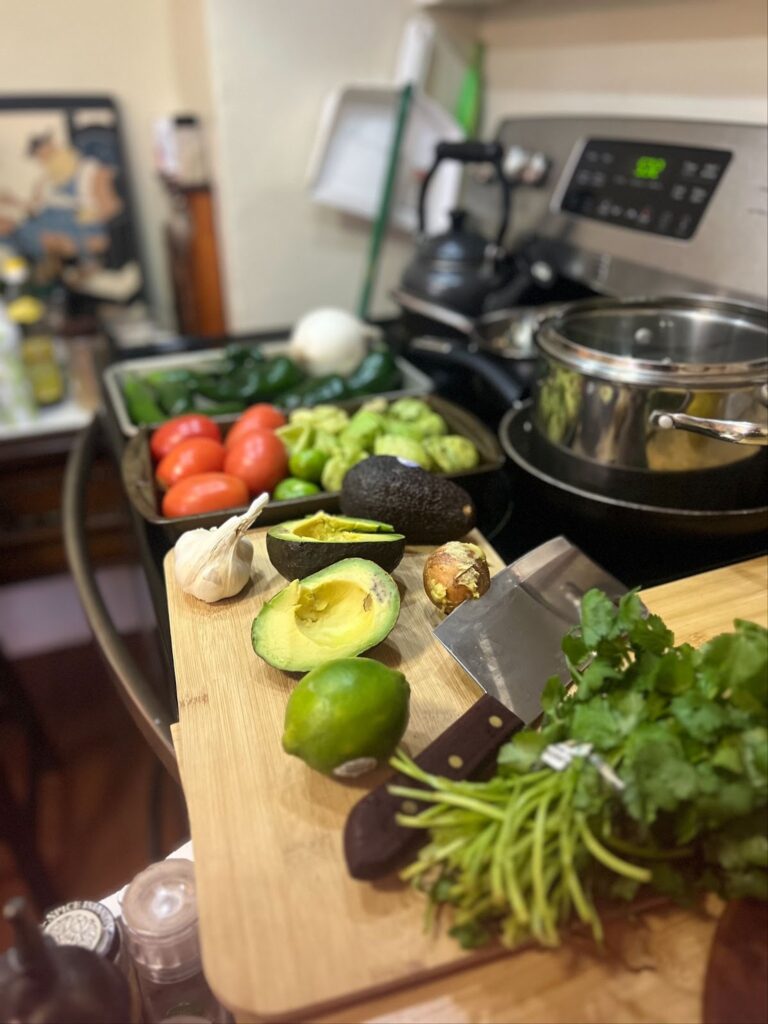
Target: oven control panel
[{"x": 659, "y": 189}]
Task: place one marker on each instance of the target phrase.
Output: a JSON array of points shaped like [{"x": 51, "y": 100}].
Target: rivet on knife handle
[{"x": 374, "y": 844}]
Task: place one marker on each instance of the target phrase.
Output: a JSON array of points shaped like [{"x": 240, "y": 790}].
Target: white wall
[
  {"x": 272, "y": 64},
  {"x": 140, "y": 52},
  {"x": 703, "y": 59}
]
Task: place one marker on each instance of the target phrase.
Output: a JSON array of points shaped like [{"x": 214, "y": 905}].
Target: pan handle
[
  {"x": 735, "y": 431},
  {"x": 458, "y": 354}
]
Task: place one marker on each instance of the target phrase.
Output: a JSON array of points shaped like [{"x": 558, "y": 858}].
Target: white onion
[{"x": 329, "y": 341}]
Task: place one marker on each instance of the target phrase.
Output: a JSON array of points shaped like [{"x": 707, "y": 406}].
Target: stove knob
[
  {"x": 535, "y": 170},
  {"x": 515, "y": 161}
]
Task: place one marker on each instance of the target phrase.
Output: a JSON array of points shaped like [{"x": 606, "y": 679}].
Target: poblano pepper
[{"x": 140, "y": 400}]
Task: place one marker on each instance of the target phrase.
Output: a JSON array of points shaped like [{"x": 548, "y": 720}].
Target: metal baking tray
[
  {"x": 139, "y": 479},
  {"x": 415, "y": 382}
]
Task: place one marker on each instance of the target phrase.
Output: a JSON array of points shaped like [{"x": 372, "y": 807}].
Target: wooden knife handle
[{"x": 374, "y": 843}]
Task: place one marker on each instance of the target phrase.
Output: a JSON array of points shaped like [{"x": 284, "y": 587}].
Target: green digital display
[{"x": 649, "y": 167}]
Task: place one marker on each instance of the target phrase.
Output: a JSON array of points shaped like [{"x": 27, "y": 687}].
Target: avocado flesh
[
  {"x": 303, "y": 546},
  {"x": 338, "y": 612}
]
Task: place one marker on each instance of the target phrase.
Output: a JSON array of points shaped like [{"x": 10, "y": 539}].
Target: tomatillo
[
  {"x": 308, "y": 464},
  {"x": 293, "y": 488}
]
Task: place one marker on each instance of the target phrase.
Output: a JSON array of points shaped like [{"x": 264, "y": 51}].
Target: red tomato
[
  {"x": 260, "y": 459},
  {"x": 195, "y": 455},
  {"x": 205, "y": 492},
  {"x": 261, "y": 416},
  {"x": 179, "y": 429}
]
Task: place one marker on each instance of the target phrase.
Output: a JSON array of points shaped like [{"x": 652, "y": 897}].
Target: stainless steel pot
[{"x": 672, "y": 385}]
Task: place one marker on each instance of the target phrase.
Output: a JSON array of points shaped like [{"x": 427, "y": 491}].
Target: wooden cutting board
[{"x": 285, "y": 932}]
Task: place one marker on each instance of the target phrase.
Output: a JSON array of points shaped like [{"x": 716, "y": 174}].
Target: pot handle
[
  {"x": 469, "y": 153},
  {"x": 735, "y": 431},
  {"x": 441, "y": 350}
]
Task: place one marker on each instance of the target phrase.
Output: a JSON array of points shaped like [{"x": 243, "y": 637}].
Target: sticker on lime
[
  {"x": 308, "y": 465},
  {"x": 293, "y": 488},
  {"x": 347, "y": 716}
]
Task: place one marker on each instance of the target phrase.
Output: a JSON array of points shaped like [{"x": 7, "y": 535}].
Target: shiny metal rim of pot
[
  {"x": 507, "y": 333},
  {"x": 598, "y": 341},
  {"x": 671, "y": 341}
]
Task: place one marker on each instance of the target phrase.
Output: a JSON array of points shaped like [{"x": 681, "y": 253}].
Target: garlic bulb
[{"x": 214, "y": 564}]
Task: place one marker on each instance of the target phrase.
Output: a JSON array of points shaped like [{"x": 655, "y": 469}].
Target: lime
[
  {"x": 347, "y": 716},
  {"x": 293, "y": 488},
  {"x": 308, "y": 464}
]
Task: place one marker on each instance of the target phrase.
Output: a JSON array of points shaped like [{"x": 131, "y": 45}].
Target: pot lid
[
  {"x": 690, "y": 340},
  {"x": 458, "y": 245}
]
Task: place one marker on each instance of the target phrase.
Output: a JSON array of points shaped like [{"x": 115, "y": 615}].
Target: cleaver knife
[{"x": 509, "y": 642}]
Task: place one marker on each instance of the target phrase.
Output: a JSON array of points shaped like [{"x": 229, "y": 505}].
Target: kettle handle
[{"x": 472, "y": 152}]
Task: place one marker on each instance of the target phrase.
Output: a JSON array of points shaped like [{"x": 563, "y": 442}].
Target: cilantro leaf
[
  {"x": 522, "y": 751},
  {"x": 594, "y": 723},
  {"x": 655, "y": 772},
  {"x": 599, "y": 618},
  {"x": 701, "y": 718}
]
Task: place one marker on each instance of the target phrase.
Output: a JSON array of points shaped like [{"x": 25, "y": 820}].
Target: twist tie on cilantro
[{"x": 559, "y": 755}]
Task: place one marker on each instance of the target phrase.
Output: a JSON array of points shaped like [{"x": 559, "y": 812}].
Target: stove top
[{"x": 618, "y": 207}]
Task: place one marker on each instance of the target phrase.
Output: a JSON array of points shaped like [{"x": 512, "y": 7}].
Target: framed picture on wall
[{"x": 65, "y": 199}]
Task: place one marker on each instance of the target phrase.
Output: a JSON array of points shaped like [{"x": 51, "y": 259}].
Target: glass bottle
[{"x": 160, "y": 917}]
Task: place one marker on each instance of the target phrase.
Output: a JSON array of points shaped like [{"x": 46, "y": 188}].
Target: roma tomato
[
  {"x": 261, "y": 417},
  {"x": 204, "y": 492},
  {"x": 179, "y": 429},
  {"x": 259, "y": 458},
  {"x": 195, "y": 455}
]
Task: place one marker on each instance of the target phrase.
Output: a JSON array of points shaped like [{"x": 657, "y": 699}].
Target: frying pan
[{"x": 620, "y": 514}]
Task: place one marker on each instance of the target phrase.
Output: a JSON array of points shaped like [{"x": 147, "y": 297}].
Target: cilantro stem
[
  {"x": 543, "y": 910},
  {"x": 647, "y": 852},
  {"x": 608, "y": 859},
  {"x": 454, "y": 799}
]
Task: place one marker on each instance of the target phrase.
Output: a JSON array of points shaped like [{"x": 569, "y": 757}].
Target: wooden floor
[{"x": 93, "y": 821}]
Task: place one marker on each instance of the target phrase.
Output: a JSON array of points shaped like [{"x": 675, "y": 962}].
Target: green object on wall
[{"x": 469, "y": 101}]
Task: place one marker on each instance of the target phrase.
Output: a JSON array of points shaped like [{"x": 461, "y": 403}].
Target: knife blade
[{"x": 508, "y": 641}]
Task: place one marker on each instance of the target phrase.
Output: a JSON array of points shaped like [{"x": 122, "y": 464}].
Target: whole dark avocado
[
  {"x": 427, "y": 508},
  {"x": 304, "y": 546}
]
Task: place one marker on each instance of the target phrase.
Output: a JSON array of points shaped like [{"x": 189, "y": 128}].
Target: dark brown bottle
[{"x": 42, "y": 983}]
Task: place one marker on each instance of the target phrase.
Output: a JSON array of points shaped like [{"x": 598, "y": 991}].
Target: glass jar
[{"x": 160, "y": 917}]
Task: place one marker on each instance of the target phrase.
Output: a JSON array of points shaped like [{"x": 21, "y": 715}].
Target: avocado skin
[
  {"x": 295, "y": 559},
  {"x": 427, "y": 508}
]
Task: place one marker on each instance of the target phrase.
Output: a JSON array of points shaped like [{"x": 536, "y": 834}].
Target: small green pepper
[
  {"x": 279, "y": 375},
  {"x": 377, "y": 372},
  {"x": 293, "y": 488},
  {"x": 238, "y": 354},
  {"x": 204, "y": 405},
  {"x": 319, "y": 391},
  {"x": 175, "y": 397},
  {"x": 141, "y": 402},
  {"x": 159, "y": 377}
]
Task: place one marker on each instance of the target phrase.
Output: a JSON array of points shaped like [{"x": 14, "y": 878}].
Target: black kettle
[{"x": 460, "y": 270}]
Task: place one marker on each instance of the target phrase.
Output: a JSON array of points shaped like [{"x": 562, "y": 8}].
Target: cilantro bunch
[{"x": 674, "y": 794}]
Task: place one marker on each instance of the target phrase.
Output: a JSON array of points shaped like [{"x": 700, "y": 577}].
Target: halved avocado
[
  {"x": 338, "y": 612},
  {"x": 304, "y": 546}
]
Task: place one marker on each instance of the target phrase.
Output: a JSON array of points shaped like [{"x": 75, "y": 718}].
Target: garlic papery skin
[{"x": 214, "y": 564}]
